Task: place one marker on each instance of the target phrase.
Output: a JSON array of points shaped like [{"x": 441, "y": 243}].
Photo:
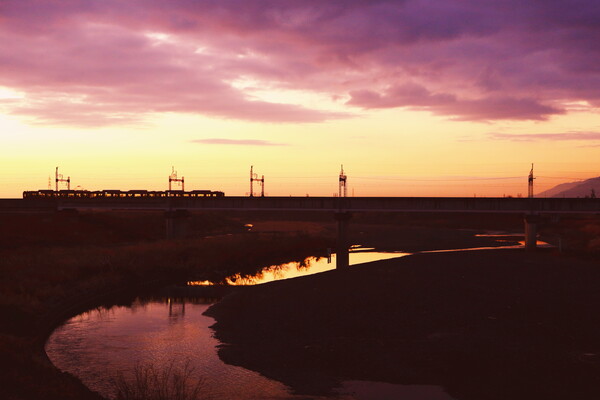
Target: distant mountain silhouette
[{"x": 574, "y": 189}]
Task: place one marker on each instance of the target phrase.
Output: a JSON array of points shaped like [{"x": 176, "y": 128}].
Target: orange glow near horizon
[{"x": 384, "y": 154}]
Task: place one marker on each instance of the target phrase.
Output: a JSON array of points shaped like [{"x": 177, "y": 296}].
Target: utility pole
[
  {"x": 262, "y": 186},
  {"x": 251, "y": 181},
  {"x": 59, "y": 178},
  {"x": 261, "y": 181},
  {"x": 530, "y": 183},
  {"x": 342, "y": 217},
  {"x": 173, "y": 178},
  {"x": 342, "y": 183}
]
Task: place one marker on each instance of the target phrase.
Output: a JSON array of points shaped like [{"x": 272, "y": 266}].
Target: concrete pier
[
  {"x": 176, "y": 223},
  {"x": 342, "y": 259},
  {"x": 531, "y": 223}
]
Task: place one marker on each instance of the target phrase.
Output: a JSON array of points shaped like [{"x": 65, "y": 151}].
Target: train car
[
  {"x": 96, "y": 194},
  {"x": 38, "y": 194},
  {"x": 194, "y": 193},
  {"x": 74, "y": 193},
  {"x": 136, "y": 193},
  {"x": 44, "y": 194},
  {"x": 112, "y": 194},
  {"x": 157, "y": 194},
  {"x": 175, "y": 193}
]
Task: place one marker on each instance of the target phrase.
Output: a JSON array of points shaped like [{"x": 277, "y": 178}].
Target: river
[{"x": 99, "y": 344}]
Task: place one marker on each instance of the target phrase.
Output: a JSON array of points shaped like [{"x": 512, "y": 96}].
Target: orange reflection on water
[
  {"x": 309, "y": 266},
  {"x": 200, "y": 283}
]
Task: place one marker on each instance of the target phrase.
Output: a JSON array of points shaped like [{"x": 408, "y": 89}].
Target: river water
[
  {"x": 99, "y": 344},
  {"x": 310, "y": 266}
]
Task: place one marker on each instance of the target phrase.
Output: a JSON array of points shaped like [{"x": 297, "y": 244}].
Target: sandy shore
[{"x": 493, "y": 324}]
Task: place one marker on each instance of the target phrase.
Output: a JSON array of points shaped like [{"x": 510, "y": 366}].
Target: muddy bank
[
  {"x": 422, "y": 238},
  {"x": 494, "y": 324},
  {"x": 400, "y": 237}
]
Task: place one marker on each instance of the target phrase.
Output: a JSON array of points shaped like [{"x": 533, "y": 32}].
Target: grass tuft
[{"x": 149, "y": 382}]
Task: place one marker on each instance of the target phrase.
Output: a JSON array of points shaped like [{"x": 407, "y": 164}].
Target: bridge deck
[{"x": 330, "y": 204}]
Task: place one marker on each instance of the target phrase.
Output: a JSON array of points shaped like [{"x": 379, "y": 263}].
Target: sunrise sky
[{"x": 414, "y": 97}]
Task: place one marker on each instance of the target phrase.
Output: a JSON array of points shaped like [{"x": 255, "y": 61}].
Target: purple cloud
[
  {"x": 417, "y": 97},
  {"x": 238, "y": 142},
  {"x": 91, "y": 63}
]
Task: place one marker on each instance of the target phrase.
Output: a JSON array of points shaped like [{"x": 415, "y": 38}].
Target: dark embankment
[
  {"x": 408, "y": 232},
  {"x": 61, "y": 264},
  {"x": 494, "y": 324},
  {"x": 415, "y": 238},
  {"x": 576, "y": 234},
  {"x": 70, "y": 228}
]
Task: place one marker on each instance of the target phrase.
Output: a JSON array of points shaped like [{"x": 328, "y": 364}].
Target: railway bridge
[{"x": 176, "y": 208}]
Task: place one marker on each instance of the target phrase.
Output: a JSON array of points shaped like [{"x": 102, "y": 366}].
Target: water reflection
[
  {"x": 498, "y": 237},
  {"x": 308, "y": 266},
  {"x": 95, "y": 345},
  {"x": 102, "y": 343},
  {"x": 358, "y": 255},
  {"x": 176, "y": 310}
]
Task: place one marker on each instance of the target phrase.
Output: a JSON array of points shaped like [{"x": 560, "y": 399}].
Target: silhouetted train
[{"x": 39, "y": 194}]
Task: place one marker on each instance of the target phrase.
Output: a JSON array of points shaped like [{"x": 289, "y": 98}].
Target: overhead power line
[
  {"x": 561, "y": 177},
  {"x": 440, "y": 179}
]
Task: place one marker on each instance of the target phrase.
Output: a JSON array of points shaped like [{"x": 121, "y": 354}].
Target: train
[{"x": 96, "y": 194}]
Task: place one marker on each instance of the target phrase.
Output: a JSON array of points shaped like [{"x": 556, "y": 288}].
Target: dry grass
[
  {"x": 36, "y": 282},
  {"x": 171, "y": 382},
  {"x": 576, "y": 235},
  {"x": 309, "y": 227}
]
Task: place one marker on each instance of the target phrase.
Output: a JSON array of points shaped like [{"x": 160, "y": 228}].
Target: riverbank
[
  {"x": 493, "y": 324},
  {"x": 41, "y": 286}
]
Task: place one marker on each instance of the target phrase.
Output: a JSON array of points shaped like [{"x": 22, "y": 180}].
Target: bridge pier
[
  {"x": 531, "y": 222},
  {"x": 342, "y": 257},
  {"x": 176, "y": 223}
]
